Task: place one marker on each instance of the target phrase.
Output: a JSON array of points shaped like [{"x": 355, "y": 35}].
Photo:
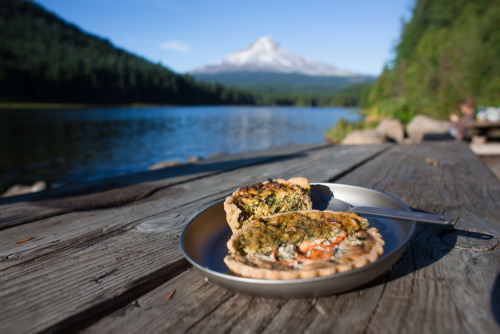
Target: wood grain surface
[{"x": 106, "y": 258}]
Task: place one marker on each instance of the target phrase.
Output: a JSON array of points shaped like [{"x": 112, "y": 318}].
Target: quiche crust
[
  {"x": 266, "y": 198},
  {"x": 338, "y": 242}
]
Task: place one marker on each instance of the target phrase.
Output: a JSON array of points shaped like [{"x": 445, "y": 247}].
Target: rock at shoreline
[
  {"x": 422, "y": 125},
  {"x": 392, "y": 129},
  {"x": 361, "y": 137},
  {"x": 388, "y": 130},
  {"x": 20, "y": 189}
]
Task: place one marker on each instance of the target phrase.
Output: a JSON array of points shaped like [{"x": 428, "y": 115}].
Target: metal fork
[{"x": 324, "y": 201}]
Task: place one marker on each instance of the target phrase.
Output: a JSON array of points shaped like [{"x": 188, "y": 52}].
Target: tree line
[
  {"x": 447, "y": 52},
  {"x": 45, "y": 59},
  {"x": 350, "y": 96}
]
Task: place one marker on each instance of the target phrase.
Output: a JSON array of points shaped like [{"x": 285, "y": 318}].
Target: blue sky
[{"x": 355, "y": 35}]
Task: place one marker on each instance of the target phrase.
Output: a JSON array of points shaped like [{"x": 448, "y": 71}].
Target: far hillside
[
  {"x": 294, "y": 88},
  {"x": 45, "y": 59}
]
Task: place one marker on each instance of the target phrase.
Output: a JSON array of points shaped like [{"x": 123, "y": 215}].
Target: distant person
[{"x": 459, "y": 129}]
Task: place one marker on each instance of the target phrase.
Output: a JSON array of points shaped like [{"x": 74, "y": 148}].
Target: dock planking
[{"x": 113, "y": 268}]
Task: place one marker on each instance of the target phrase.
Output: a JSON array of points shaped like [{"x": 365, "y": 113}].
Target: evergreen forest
[
  {"x": 448, "y": 51},
  {"x": 45, "y": 59},
  {"x": 271, "y": 88}
]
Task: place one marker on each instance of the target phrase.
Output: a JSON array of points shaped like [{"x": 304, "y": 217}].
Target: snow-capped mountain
[{"x": 265, "y": 55}]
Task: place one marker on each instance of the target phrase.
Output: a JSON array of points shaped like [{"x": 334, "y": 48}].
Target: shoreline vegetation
[{"x": 447, "y": 52}]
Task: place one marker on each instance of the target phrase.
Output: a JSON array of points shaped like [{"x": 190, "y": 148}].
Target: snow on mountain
[{"x": 265, "y": 55}]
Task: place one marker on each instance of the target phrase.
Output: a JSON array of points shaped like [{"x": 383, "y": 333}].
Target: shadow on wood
[
  {"x": 430, "y": 244},
  {"x": 125, "y": 189}
]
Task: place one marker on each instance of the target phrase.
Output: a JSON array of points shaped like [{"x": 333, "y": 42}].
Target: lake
[{"x": 77, "y": 145}]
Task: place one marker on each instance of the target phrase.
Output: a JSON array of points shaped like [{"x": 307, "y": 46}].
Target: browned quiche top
[{"x": 267, "y": 198}]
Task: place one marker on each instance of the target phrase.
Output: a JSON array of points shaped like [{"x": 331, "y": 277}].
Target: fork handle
[{"x": 400, "y": 214}]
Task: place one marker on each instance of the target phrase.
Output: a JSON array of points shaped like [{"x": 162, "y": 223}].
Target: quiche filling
[
  {"x": 295, "y": 240},
  {"x": 265, "y": 199},
  {"x": 277, "y": 234}
]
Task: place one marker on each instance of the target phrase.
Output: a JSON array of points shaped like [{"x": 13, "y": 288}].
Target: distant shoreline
[
  {"x": 49, "y": 105},
  {"x": 42, "y": 106}
]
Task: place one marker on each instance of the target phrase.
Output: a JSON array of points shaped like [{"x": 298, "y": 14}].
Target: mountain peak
[
  {"x": 265, "y": 43},
  {"x": 266, "y": 55}
]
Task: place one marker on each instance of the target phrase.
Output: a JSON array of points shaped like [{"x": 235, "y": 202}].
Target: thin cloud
[
  {"x": 175, "y": 45},
  {"x": 163, "y": 4}
]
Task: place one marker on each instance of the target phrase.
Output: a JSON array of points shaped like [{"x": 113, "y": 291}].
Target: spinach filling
[
  {"x": 269, "y": 198},
  {"x": 266, "y": 234}
]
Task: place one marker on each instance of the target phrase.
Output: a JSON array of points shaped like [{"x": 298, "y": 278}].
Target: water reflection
[{"x": 61, "y": 146}]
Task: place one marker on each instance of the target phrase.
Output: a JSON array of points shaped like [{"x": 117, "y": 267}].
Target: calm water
[{"x": 69, "y": 146}]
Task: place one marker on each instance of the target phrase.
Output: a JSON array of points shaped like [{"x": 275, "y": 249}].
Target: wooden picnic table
[
  {"x": 105, "y": 257},
  {"x": 484, "y": 129}
]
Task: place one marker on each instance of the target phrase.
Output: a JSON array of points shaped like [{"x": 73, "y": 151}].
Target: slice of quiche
[
  {"x": 267, "y": 198},
  {"x": 303, "y": 244}
]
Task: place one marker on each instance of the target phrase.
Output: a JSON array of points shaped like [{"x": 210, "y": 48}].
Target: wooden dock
[{"x": 106, "y": 257}]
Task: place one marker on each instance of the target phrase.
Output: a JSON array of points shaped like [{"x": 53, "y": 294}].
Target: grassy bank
[{"x": 343, "y": 127}]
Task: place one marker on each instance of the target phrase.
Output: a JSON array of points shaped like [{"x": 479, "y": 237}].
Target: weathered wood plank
[
  {"x": 192, "y": 309},
  {"x": 51, "y": 234},
  {"x": 97, "y": 272},
  {"x": 126, "y": 189},
  {"x": 437, "y": 177},
  {"x": 446, "y": 274},
  {"x": 445, "y": 282},
  {"x": 86, "y": 281},
  {"x": 441, "y": 284},
  {"x": 192, "y": 291}
]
